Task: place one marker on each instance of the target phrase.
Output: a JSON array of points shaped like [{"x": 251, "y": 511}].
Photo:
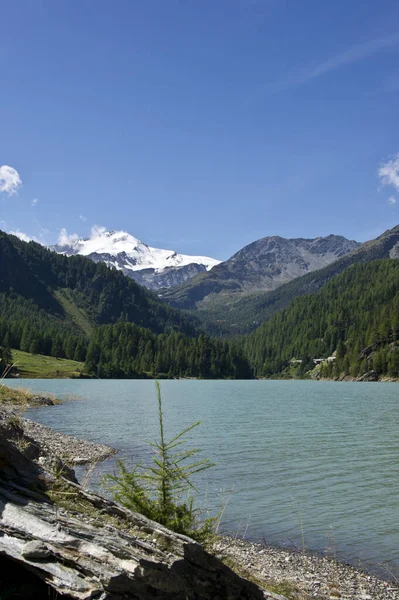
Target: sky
[{"x": 199, "y": 125}]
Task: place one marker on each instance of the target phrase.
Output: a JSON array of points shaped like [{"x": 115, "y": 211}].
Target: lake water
[{"x": 320, "y": 458}]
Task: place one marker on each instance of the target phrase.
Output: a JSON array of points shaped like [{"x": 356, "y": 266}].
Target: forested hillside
[
  {"x": 24, "y": 326},
  {"x": 49, "y": 303},
  {"x": 74, "y": 308},
  {"x": 125, "y": 350},
  {"x": 355, "y": 314}
]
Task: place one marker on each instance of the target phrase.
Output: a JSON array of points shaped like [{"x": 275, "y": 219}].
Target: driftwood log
[{"x": 77, "y": 544}]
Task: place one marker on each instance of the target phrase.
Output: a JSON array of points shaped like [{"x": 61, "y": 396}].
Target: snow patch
[{"x": 138, "y": 255}]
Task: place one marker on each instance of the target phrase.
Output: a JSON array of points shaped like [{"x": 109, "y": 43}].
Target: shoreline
[
  {"x": 291, "y": 573},
  {"x": 70, "y": 449},
  {"x": 21, "y": 398},
  {"x": 341, "y": 378},
  {"x": 302, "y": 575}
]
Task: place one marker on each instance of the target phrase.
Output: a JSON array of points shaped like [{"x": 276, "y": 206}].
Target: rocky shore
[
  {"x": 67, "y": 447},
  {"x": 369, "y": 377},
  {"x": 302, "y": 576},
  {"x": 21, "y": 398},
  {"x": 284, "y": 574},
  {"x": 59, "y": 540}
]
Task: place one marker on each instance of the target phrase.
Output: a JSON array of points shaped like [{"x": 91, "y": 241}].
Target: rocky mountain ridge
[
  {"x": 222, "y": 314},
  {"x": 263, "y": 265}
]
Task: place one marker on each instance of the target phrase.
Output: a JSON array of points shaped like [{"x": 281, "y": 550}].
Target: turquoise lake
[{"x": 320, "y": 458}]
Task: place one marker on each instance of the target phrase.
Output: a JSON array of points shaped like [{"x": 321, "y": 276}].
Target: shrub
[{"x": 163, "y": 491}]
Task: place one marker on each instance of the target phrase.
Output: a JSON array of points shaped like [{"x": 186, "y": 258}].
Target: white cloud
[
  {"x": 34, "y": 202},
  {"x": 23, "y": 236},
  {"x": 10, "y": 180},
  {"x": 351, "y": 55},
  {"x": 66, "y": 240},
  {"x": 97, "y": 230},
  {"x": 389, "y": 172},
  {"x": 82, "y": 218},
  {"x": 392, "y": 200}
]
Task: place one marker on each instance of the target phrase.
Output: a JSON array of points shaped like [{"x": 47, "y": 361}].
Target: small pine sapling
[{"x": 163, "y": 491}]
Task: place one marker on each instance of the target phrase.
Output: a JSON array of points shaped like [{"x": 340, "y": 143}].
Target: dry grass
[
  {"x": 69, "y": 498},
  {"x": 13, "y": 396},
  {"x": 21, "y": 397}
]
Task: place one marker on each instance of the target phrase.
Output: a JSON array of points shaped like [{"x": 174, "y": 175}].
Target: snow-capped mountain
[{"x": 152, "y": 267}]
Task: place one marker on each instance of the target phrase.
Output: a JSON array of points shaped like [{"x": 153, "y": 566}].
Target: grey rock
[
  {"x": 42, "y": 401},
  {"x": 35, "y": 550},
  {"x": 370, "y": 376},
  {"x": 102, "y": 551},
  {"x": 154, "y": 279},
  {"x": 236, "y": 287}
]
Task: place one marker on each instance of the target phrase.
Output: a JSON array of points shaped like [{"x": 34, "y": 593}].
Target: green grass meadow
[{"x": 45, "y": 367}]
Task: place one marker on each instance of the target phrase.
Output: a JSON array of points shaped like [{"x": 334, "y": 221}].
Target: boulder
[{"x": 369, "y": 376}]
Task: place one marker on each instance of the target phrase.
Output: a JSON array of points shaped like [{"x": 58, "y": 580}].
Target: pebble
[
  {"x": 320, "y": 578},
  {"x": 67, "y": 447}
]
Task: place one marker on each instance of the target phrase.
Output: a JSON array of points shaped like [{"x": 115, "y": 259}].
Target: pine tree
[{"x": 163, "y": 491}]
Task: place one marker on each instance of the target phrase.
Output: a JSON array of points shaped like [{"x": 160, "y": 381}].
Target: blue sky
[{"x": 199, "y": 125}]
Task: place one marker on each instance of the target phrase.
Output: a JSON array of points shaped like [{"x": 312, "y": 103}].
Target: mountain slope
[
  {"x": 50, "y": 303},
  {"x": 355, "y": 314},
  {"x": 246, "y": 313},
  {"x": 152, "y": 267},
  {"x": 105, "y": 295},
  {"x": 263, "y": 265},
  {"x": 71, "y": 307}
]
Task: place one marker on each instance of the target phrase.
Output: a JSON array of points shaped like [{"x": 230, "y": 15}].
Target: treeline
[
  {"x": 355, "y": 314},
  {"x": 5, "y": 360},
  {"x": 126, "y": 350},
  {"x": 25, "y": 327}
]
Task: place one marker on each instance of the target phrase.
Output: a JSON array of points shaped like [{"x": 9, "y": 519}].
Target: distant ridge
[
  {"x": 246, "y": 312},
  {"x": 263, "y": 266}
]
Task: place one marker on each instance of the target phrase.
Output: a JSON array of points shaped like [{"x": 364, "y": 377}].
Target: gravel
[
  {"x": 67, "y": 447},
  {"x": 308, "y": 576}
]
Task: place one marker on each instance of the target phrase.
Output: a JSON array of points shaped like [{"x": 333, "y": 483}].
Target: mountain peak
[
  {"x": 261, "y": 266},
  {"x": 145, "y": 264}
]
